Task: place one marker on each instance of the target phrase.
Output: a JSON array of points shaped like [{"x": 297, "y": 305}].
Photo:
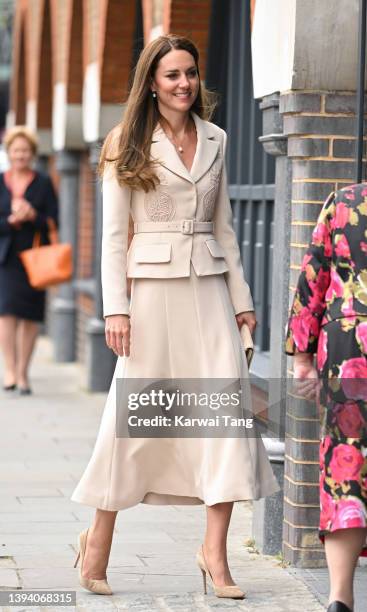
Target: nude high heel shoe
[
  {"x": 101, "y": 587},
  {"x": 230, "y": 590}
]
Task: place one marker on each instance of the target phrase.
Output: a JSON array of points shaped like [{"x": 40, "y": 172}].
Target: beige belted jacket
[{"x": 186, "y": 220}]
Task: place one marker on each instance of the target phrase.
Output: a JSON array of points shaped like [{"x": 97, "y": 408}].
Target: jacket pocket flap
[
  {"x": 152, "y": 253},
  {"x": 215, "y": 248}
]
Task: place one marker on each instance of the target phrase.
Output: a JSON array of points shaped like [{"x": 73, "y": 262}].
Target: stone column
[
  {"x": 320, "y": 127},
  {"x": 42, "y": 166},
  {"x": 100, "y": 360},
  {"x": 268, "y": 512},
  {"x": 63, "y": 308}
]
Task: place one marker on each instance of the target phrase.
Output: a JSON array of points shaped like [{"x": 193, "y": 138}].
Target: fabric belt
[{"x": 186, "y": 226}]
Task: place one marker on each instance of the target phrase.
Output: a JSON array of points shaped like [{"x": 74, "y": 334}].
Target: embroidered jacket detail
[
  {"x": 159, "y": 206},
  {"x": 210, "y": 195}
]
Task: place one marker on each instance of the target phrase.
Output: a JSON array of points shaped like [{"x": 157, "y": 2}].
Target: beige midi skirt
[{"x": 180, "y": 328}]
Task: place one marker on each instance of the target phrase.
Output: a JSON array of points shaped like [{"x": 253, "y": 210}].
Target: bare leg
[
  {"x": 342, "y": 548},
  {"x": 215, "y": 542},
  {"x": 99, "y": 543},
  {"x": 8, "y": 328},
  {"x": 26, "y": 338}
]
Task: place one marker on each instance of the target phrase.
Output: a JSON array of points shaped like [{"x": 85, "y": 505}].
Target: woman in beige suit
[{"x": 164, "y": 166}]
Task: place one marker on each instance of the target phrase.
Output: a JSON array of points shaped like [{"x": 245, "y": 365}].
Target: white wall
[
  {"x": 273, "y": 45},
  {"x": 304, "y": 44}
]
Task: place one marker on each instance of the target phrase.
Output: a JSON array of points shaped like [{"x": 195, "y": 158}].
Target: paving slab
[
  {"x": 317, "y": 581},
  {"x": 9, "y": 578}
]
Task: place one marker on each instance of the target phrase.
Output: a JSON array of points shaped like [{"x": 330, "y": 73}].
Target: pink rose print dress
[{"x": 329, "y": 317}]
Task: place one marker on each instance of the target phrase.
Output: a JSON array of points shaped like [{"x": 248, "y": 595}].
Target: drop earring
[{"x": 154, "y": 94}]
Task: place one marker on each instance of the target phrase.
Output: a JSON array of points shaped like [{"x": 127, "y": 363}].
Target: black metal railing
[{"x": 251, "y": 172}]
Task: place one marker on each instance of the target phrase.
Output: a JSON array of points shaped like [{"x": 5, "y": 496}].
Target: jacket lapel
[
  {"x": 164, "y": 152},
  {"x": 207, "y": 148},
  {"x": 206, "y": 151}
]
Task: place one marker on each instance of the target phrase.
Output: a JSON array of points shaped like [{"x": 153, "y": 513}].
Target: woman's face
[
  {"x": 176, "y": 81},
  {"x": 20, "y": 153}
]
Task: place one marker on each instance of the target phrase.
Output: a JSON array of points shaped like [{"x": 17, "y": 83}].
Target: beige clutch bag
[{"x": 247, "y": 342}]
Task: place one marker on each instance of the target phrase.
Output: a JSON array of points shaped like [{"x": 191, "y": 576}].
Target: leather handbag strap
[
  {"x": 52, "y": 234},
  {"x": 52, "y": 231}
]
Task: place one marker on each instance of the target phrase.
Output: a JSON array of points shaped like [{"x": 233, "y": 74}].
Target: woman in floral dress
[{"x": 329, "y": 317}]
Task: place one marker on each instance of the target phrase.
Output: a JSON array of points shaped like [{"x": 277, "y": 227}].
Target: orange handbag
[{"x": 49, "y": 264}]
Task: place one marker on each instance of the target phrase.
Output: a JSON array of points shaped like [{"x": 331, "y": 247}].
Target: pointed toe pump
[
  {"x": 231, "y": 591},
  {"x": 338, "y": 606},
  {"x": 10, "y": 387},
  {"x": 101, "y": 587}
]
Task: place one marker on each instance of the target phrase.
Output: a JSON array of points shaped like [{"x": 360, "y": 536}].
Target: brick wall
[
  {"x": 18, "y": 82},
  {"x": 44, "y": 92},
  {"x": 118, "y": 43},
  {"x": 94, "y": 15},
  {"x": 75, "y": 64},
  {"x": 34, "y": 18},
  {"x": 85, "y": 266},
  {"x": 21, "y": 90},
  {"x": 321, "y": 144},
  {"x": 192, "y": 19},
  {"x": 61, "y": 12},
  {"x": 86, "y": 219}
]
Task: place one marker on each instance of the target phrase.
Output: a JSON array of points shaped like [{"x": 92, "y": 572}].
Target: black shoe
[
  {"x": 25, "y": 391},
  {"x": 9, "y": 387},
  {"x": 338, "y": 606}
]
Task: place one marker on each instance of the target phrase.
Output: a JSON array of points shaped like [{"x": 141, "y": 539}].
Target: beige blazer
[{"x": 181, "y": 196}]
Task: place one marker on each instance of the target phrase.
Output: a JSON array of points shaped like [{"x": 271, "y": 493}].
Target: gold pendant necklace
[{"x": 177, "y": 146}]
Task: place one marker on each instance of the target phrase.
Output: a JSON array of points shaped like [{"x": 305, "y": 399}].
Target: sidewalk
[{"x": 45, "y": 443}]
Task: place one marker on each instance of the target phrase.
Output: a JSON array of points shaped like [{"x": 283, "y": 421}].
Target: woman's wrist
[
  {"x": 303, "y": 357},
  {"x": 32, "y": 214}
]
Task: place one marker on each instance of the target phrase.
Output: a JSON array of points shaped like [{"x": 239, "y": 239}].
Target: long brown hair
[{"x": 127, "y": 146}]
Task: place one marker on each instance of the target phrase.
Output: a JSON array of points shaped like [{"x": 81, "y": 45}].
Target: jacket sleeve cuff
[
  {"x": 120, "y": 308},
  {"x": 302, "y": 335}
]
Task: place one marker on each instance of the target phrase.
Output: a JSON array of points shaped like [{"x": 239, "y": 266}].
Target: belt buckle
[{"x": 187, "y": 226}]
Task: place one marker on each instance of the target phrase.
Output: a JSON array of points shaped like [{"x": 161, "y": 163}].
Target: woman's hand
[
  {"x": 117, "y": 331},
  {"x": 305, "y": 375},
  {"x": 249, "y": 318},
  {"x": 13, "y": 221},
  {"x": 21, "y": 211}
]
